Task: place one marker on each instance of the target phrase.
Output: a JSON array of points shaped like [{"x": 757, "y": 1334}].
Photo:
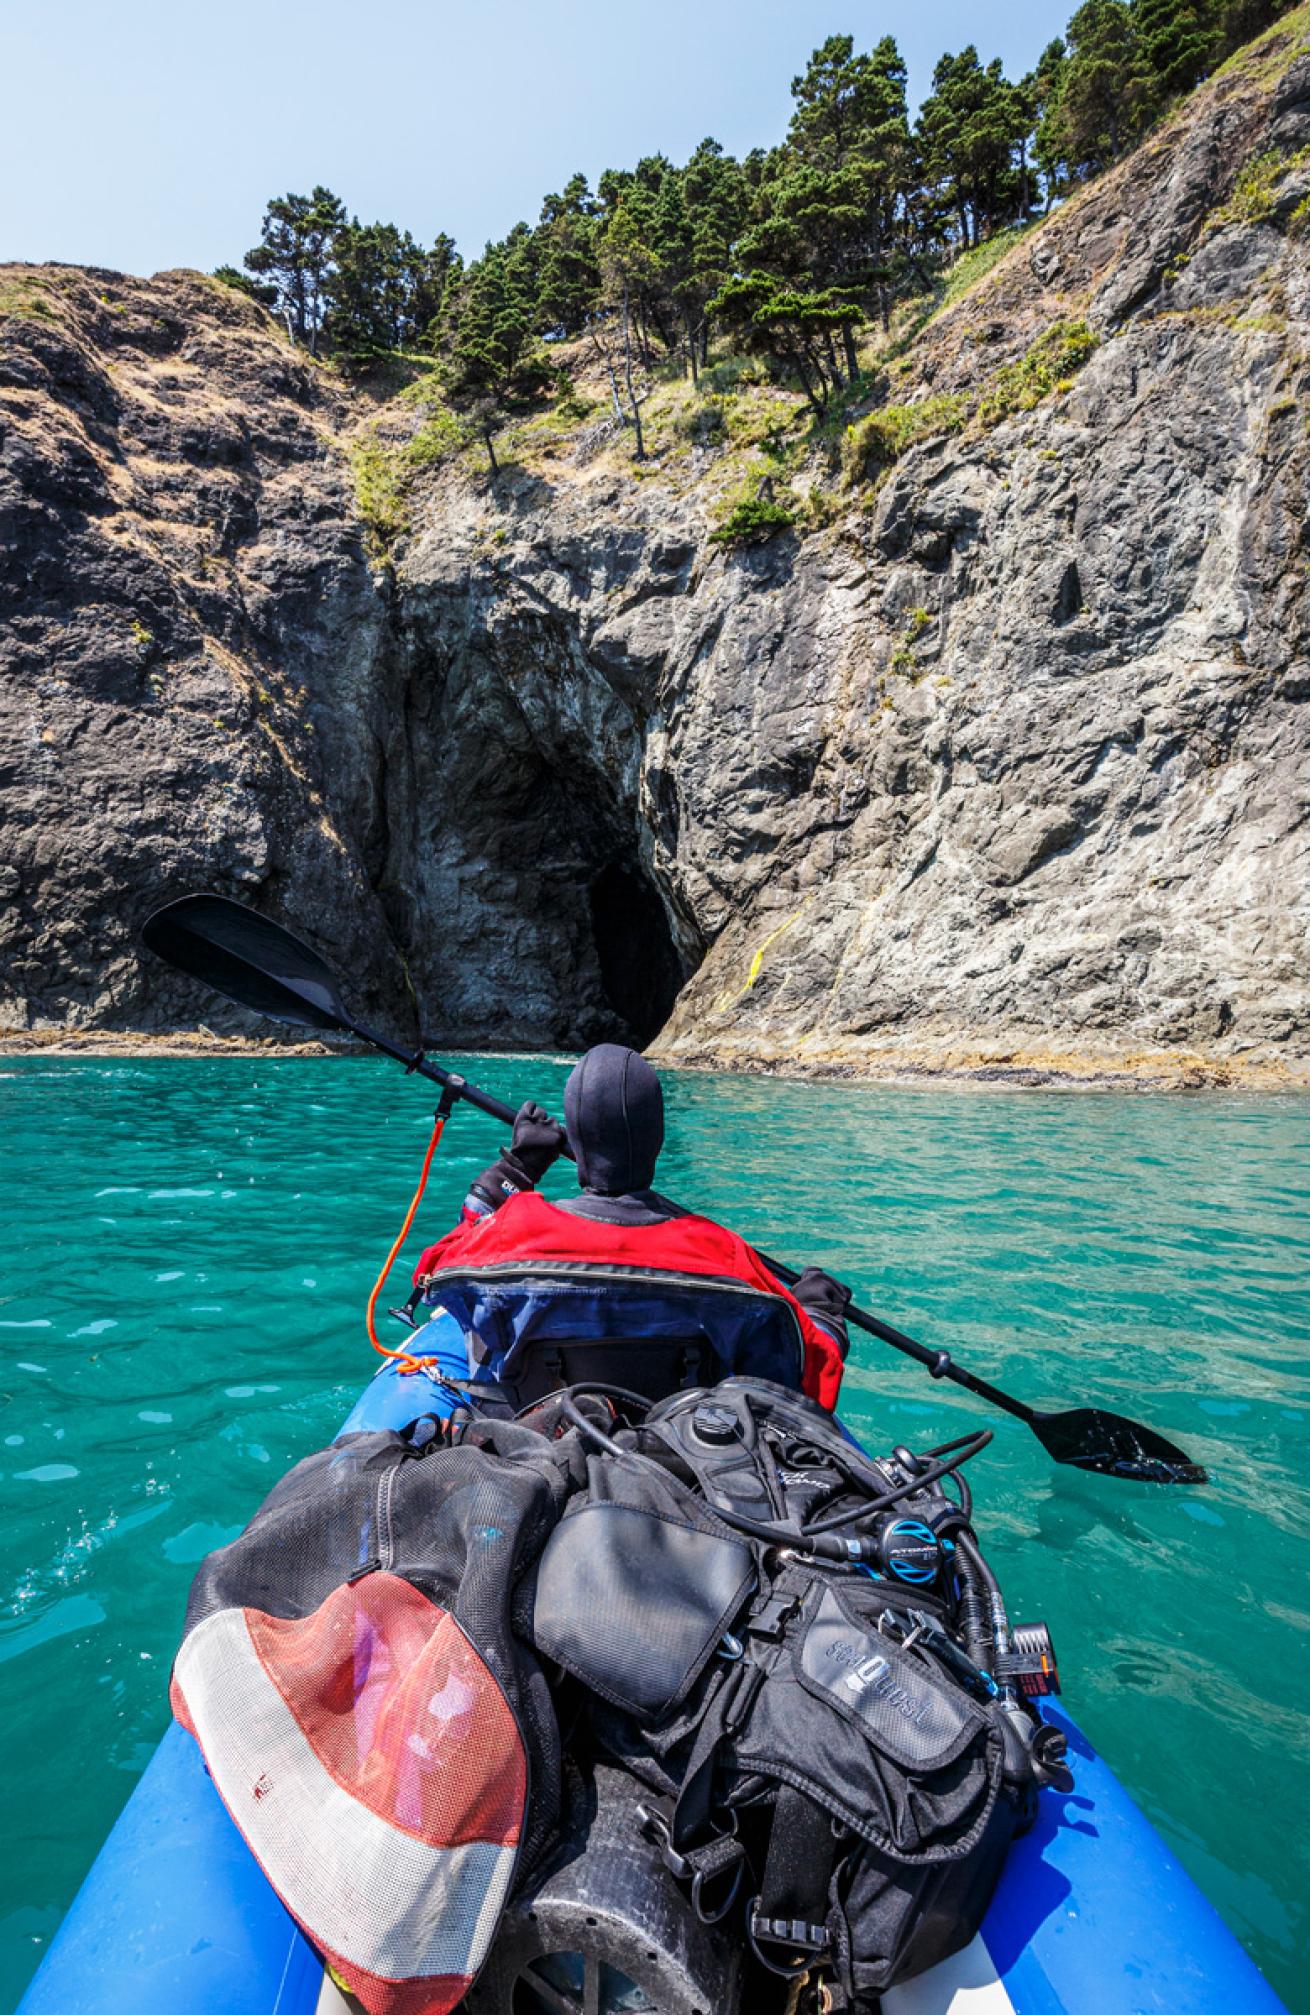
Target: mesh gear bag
[{"x": 384, "y": 1743}]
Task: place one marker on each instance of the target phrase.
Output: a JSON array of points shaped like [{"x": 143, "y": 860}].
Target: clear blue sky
[{"x": 141, "y": 135}]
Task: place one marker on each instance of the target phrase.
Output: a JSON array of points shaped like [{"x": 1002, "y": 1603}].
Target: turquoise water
[{"x": 188, "y": 1245}]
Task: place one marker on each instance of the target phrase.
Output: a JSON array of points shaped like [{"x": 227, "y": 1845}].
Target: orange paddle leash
[{"x": 404, "y": 1358}]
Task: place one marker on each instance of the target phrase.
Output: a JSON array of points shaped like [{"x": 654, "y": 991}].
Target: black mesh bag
[{"x": 386, "y": 1744}]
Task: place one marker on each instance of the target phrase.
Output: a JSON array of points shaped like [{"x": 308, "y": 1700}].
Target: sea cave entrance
[{"x": 641, "y": 967}]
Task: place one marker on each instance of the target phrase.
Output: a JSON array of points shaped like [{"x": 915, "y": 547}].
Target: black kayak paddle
[
  {"x": 1086, "y": 1437},
  {"x": 255, "y": 962}
]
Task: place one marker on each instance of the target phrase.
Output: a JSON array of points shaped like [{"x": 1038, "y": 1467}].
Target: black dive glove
[
  {"x": 825, "y": 1300},
  {"x": 535, "y": 1143}
]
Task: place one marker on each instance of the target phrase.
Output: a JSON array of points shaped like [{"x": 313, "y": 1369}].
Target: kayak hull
[{"x": 1093, "y": 1915}]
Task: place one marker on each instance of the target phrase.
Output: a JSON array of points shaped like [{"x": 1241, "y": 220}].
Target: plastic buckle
[
  {"x": 792, "y": 1931},
  {"x": 683, "y": 1867},
  {"x": 771, "y": 1618}
]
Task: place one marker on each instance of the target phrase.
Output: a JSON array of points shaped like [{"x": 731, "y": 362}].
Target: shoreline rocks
[{"x": 927, "y": 1069}]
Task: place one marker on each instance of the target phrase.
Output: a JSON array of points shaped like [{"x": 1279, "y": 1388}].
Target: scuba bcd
[
  {"x": 802, "y": 1654},
  {"x": 889, "y": 1516}
]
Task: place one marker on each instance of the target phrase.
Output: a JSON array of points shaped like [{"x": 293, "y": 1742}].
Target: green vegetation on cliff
[
  {"x": 1050, "y": 362},
  {"x": 766, "y": 308},
  {"x": 878, "y": 440},
  {"x": 789, "y": 252}
]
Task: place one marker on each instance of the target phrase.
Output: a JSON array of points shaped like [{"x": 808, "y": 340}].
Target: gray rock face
[
  {"x": 192, "y": 655},
  {"x": 1007, "y": 771}
]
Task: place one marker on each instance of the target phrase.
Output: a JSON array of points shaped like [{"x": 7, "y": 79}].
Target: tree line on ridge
[{"x": 788, "y": 253}]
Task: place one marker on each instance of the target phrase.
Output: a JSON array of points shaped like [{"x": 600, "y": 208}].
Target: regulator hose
[
  {"x": 823, "y": 1545},
  {"x": 983, "y": 1620},
  {"x": 968, "y": 1446}
]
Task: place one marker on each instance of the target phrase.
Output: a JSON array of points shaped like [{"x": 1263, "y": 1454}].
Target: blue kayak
[{"x": 1093, "y": 1915}]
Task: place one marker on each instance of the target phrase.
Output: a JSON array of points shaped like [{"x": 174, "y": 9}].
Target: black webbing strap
[
  {"x": 695, "y": 1802},
  {"x": 694, "y": 1847},
  {"x": 792, "y": 1907}
]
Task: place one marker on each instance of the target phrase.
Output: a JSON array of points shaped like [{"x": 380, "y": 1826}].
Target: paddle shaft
[
  {"x": 938, "y": 1363},
  {"x": 1095, "y": 1432},
  {"x": 259, "y": 964},
  {"x": 419, "y": 1065}
]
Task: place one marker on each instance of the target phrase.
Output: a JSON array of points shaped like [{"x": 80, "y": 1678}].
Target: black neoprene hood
[{"x": 614, "y": 1113}]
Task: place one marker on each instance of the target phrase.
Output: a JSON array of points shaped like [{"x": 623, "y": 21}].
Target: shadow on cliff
[
  {"x": 519, "y": 490},
  {"x": 767, "y": 563}
]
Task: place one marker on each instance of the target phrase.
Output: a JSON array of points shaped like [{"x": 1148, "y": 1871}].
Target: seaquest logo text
[{"x": 873, "y": 1675}]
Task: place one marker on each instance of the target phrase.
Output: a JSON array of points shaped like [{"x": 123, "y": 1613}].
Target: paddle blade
[
  {"x": 1090, "y": 1438},
  {"x": 248, "y": 959}
]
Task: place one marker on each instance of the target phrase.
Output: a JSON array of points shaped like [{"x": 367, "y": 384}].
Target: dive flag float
[
  {"x": 1092, "y": 1914},
  {"x": 441, "y": 1832}
]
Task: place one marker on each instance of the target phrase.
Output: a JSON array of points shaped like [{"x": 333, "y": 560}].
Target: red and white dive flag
[{"x": 371, "y": 1760}]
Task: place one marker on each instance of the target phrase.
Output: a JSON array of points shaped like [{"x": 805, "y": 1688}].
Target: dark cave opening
[{"x": 641, "y": 970}]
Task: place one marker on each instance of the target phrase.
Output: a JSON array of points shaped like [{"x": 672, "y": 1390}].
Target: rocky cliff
[{"x": 997, "y": 761}]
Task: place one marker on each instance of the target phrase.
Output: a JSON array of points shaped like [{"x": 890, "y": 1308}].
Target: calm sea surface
[{"x": 188, "y": 1244}]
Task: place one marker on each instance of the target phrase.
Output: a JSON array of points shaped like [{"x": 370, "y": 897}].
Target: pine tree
[
  {"x": 792, "y": 249},
  {"x": 1176, "y": 44},
  {"x": 385, "y": 292},
  {"x": 714, "y": 195},
  {"x": 629, "y": 272},
  {"x": 633, "y": 230},
  {"x": 368, "y": 290},
  {"x": 673, "y": 243},
  {"x": 794, "y": 328},
  {"x": 492, "y": 355},
  {"x": 971, "y": 129},
  {"x": 295, "y": 253},
  {"x": 852, "y": 127},
  {"x": 255, "y": 290},
  {"x": 833, "y": 109},
  {"x": 441, "y": 272},
  {"x": 1096, "y": 114},
  {"x": 569, "y": 266},
  {"x": 827, "y": 205},
  {"x": 1240, "y": 20},
  {"x": 1044, "y": 86}
]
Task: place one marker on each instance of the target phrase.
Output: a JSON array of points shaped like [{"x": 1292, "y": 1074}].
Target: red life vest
[{"x": 529, "y": 1235}]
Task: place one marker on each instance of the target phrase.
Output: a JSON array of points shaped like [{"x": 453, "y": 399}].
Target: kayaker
[{"x": 618, "y": 1283}]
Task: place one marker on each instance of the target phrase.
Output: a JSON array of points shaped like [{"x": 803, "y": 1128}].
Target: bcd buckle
[
  {"x": 792, "y": 1932},
  {"x": 703, "y": 1866}
]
